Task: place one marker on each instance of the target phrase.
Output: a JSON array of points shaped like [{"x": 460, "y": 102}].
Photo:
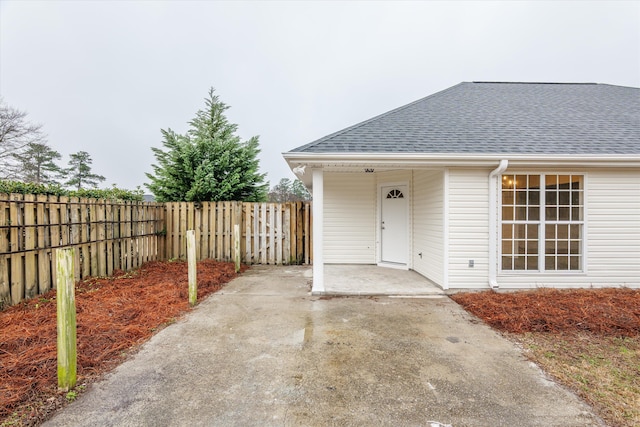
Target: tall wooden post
[
  {"x": 191, "y": 260},
  {"x": 236, "y": 246},
  {"x": 66, "y": 318}
]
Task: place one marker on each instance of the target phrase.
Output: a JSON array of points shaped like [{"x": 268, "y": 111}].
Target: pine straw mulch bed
[
  {"x": 587, "y": 339},
  {"x": 114, "y": 316}
]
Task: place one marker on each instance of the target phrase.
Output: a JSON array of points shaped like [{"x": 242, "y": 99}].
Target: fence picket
[
  {"x": 109, "y": 237},
  {"x": 5, "y": 288},
  {"x": 286, "y": 229},
  {"x": 42, "y": 254},
  {"x": 30, "y": 270},
  {"x": 15, "y": 215}
]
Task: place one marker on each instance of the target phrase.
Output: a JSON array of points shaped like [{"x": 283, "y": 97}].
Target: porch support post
[{"x": 318, "y": 225}]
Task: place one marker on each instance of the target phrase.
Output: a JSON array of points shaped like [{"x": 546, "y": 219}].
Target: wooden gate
[{"x": 270, "y": 233}]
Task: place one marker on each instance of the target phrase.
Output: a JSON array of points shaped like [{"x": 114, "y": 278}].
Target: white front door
[{"x": 393, "y": 227}]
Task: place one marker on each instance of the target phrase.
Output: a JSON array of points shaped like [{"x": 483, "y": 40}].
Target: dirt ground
[{"x": 587, "y": 339}]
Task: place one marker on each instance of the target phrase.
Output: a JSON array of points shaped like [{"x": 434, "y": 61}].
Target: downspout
[{"x": 493, "y": 222}]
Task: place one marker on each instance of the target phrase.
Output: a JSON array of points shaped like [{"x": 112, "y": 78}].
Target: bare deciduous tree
[{"x": 16, "y": 133}]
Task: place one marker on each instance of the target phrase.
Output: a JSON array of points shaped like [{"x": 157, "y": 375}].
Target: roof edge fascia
[{"x": 319, "y": 159}]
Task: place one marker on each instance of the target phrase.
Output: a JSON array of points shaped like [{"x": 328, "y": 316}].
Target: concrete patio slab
[
  {"x": 368, "y": 280},
  {"x": 264, "y": 352}
]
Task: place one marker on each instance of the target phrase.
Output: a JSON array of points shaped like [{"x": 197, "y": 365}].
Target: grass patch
[{"x": 604, "y": 371}]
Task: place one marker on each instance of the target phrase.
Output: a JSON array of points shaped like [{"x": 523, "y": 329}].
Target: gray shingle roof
[{"x": 487, "y": 118}]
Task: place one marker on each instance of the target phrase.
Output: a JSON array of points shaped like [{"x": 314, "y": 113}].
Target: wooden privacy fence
[
  {"x": 108, "y": 235},
  {"x": 271, "y": 233},
  {"x": 113, "y": 235}
]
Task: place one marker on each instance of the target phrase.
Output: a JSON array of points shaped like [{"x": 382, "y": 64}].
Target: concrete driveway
[{"x": 264, "y": 352}]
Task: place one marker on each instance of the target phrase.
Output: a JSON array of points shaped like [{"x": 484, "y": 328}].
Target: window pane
[
  {"x": 550, "y": 247},
  {"x": 534, "y": 197},
  {"x": 521, "y": 213},
  {"x": 562, "y": 231},
  {"x": 521, "y": 198},
  {"x": 550, "y": 263},
  {"x": 576, "y": 214},
  {"x": 507, "y": 181},
  {"x": 575, "y": 231},
  {"x": 576, "y": 183},
  {"x": 564, "y": 198},
  {"x": 574, "y": 247},
  {"x": 550, "y": 232},
  {"x": 533, "y": 263},
  {"x": 551, "y": 197},
  {"x": 519, "y": 263},
  {"x": 576, "y": 198},
  {"x": 507, "y": 197},
  {"x": 551, "y": 213},
  {"x": 506, "y": 231},
  {"x": 574, "y": 263},
  {"x": 532, "y": 247},
  {"x": 551, "y": 181},
  {"x": 534, "y": 213},
  {"x": 562, "y": 247},
  {"x": 506, "y": 263},
  {"x": 506, "y": 247},
  {"x": 519, "y": 231},
  {"x": 521, "y": 181},
  {"x": 534, "y": 181},
  {"x": 563, "y": 214},
  {"x": 563, "y": 263},
  {"x": 532, "y": 231},
  {"x": 507, "y": 213},
  {"x": 519, "y": 246}
]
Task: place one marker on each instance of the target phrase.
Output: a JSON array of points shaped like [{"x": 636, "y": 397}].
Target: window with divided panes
[{"x": 542, "y": 222}]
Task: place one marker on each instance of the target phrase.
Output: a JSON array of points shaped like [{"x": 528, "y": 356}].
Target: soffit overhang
[{"x": 379, "y": 162}]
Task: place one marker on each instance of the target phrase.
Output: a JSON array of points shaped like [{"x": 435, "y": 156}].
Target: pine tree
[
  {"x": 299, "y": 191},
  {"x": 289, "y": 191},
  {"x": 36, "y": 164},
  {"x": 79, "y": 172},
  {"x": 209, "y": 162}
]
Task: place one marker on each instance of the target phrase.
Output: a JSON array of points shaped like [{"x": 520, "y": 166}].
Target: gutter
[
  {"x": 493, "y": 222},
  {"x": 313, "y": 159}
]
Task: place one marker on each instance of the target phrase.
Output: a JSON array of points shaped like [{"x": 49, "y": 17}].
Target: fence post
[
  {"x": 66, "y": 318},
  {"x": 236, "y": 246},
  {"x": 191, "y": 259}
]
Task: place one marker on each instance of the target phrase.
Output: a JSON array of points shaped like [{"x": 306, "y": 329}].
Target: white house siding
[
  {"x": 612, "y": 236},
  {"x": 468, "y": 228},
  {"x": 349, "y": 218},
  {"x": 428, "y": 232}
]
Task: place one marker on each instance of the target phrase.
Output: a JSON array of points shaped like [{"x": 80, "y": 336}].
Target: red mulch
[
  {"x": 114, "y": 315},
  {"x": 611, "y": 311}
]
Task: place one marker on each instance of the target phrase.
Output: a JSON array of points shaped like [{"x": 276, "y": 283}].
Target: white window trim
[{"x": 541, "y": 227}]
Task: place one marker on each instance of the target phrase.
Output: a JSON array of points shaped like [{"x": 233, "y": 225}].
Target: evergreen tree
[
  {"x": 36, "y": 164},
  {"x": 299, "y": 191},
  {"x": 289, "y": 191},
  {"x": 209, "y": 162},
  {"x": 79, "y": 172}
]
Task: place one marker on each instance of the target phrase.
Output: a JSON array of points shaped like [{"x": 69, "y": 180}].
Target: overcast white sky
[{"x": 106, "y": 76}]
